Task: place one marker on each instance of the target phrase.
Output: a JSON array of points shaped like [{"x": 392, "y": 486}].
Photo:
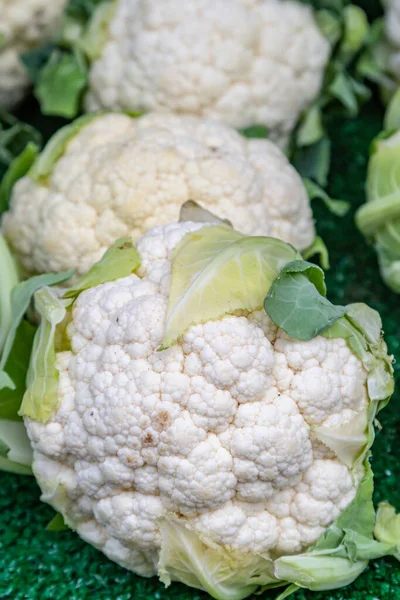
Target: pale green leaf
[
  {"x": 55, "y": 148},
  {"x": 120, "y": 260},
  {"x": 318, "y": 573},
  {"x": 224, "y": 575},
  {"x": 41, "y": 397},
  {"x": 20, "y": 299},
  {"x": 347, "y": 441},
  {"x": 216, "y": 271},
  {"x": 319, "y": 249},
  {"x": 337, "y": 207},
  {"x": 392, "y": 115},
  {"x": 15, "y": 448},
  {"x": 387, "y": 527},
  {"x": 311, "y": 129}
]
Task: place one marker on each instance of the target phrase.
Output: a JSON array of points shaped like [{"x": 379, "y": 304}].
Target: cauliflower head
[
  {"x": 24, "y": 26},
  {"x": 112, "y": 176},
  {"x": 212, "y": 444},
  {"x": 242, "y": 62}
]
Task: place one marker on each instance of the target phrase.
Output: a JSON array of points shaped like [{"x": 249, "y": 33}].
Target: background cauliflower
[
  {"x": 113, "y": 175},
  {"x": 24, "y": 25},
  {"x": 243, "y": 62},
  {"x": 220, "y": 429}
]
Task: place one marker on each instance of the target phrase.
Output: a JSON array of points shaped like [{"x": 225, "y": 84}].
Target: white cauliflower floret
[
  {"x": 209, "y": 429},
  {"x": 120, "y": 176},
  {"x": 24, "y": 26},
  {"x": 240, "y": 62}
]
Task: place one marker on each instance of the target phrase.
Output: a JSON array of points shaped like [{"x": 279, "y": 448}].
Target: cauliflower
[
  {"x": 242, "y": 62},
  {"x": 201, "y": 459},
  {"x": 24, "y": 25},
  {"x": 113, "y": 175},
  {"x": 379, "y": 218}
]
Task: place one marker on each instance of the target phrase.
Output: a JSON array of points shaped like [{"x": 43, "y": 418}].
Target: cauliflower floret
[
  {"x": 236, "y": 61},
  {"x": 24, "y": 25},
  {"x": 215, "y": 429},
  {"x": 120, "y": 176}
]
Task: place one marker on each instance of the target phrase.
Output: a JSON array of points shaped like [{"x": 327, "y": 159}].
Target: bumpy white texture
[
  {"x": 24, "y": 25},
  {"x": 243, "y": 62},
  {"x": 215, "y": 429},
  {"x": 121, "y": 176}
]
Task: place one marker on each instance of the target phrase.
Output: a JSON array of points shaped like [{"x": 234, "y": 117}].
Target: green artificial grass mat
[{"x": 39, "y": 565}]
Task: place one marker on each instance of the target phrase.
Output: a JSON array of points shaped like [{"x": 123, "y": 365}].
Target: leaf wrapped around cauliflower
[
  {"x": 109, "y": 176},
  {"x": 24, "y": 26},
  {"x": 379, "y": 218},
  {"x": 183, "y": 433}
]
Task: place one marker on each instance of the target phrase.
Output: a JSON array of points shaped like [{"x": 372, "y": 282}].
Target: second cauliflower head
[
  {"x": 215, "y": 440},
  {"x": 112, "y": 175},
  {"x": 242, "y": 62},
  {"x": 24, "y": 26}
]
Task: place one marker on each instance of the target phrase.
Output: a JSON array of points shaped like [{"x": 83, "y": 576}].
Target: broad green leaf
[
  {"x": 318, "y": 248},
  {"x": 387, "y": 527},
  {"x": 15, "y": 448},
  {"x": 121, "y": 260},
  {"x": 61, "y": 84},
  {"x": 216, "y": 271},
  {"x": 55, "y": 148},
  {"x": 337, "y": 207},
  {"x": 296, "y": 301},
  {"x": 9, "y": 278},
  {"x": 224, "y": 575},
  {"x": 191, "y": 211},
  {"x": 57, "y": 524},
  {"x": 41, "y": 397},
  {"x": 18, "y": 168}
]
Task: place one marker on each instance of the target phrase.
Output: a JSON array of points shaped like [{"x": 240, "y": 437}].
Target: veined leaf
[
  {"x": 216, "y": 271},
  {"x": 296, "y": 301}
]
